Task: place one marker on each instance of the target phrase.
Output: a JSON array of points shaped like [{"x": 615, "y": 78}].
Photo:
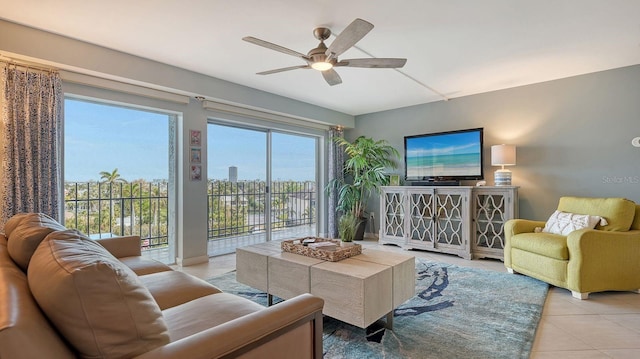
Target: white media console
[{"x": 463, "y": 220}]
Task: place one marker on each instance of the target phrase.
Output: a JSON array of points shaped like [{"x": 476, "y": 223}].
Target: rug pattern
[{"x": 458, "y": 312}]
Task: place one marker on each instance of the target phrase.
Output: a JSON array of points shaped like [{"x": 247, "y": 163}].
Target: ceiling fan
[{"x": 324, "y": 59}]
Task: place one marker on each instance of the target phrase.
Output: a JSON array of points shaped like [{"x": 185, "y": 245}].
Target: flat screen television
[{"x": 444, "y": 156}]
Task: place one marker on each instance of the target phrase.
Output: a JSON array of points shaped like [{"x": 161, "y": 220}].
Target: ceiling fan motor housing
[{"x": 318, "y": 54}]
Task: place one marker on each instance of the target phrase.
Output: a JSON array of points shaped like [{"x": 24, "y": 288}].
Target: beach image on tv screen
[{"x": 455, "y": 154}]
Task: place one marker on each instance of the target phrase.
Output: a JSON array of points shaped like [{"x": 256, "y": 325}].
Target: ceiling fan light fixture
[{"x": 321, "y": 65}]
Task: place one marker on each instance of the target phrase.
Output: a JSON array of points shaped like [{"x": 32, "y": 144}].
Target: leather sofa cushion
[
  {"x": 206, "y": 312},
  {"x": 13, "y": 222},
  {"x": 546, "y": 244},
  {"x": 96, "y": 302},
  {"x": 143, "y": 266},
  {"x": 173, "y": 288},
  {"x": 25, "y": 231},
  {"x": 618, "y": 212}
]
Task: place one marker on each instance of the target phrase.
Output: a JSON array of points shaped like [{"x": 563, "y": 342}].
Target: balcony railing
[
  {"x": 240, "y": 208},
  {"x": 141, "y": 208},
  {"x": 136, "y": 208}
]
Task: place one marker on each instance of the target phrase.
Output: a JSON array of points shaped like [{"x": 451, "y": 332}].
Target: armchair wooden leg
[{"x": 579, "y": 295}]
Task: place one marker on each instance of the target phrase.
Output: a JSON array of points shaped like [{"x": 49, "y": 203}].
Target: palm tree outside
[{"x": 111, "y": 177}]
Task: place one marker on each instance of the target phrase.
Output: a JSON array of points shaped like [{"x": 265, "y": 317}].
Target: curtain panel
[
  {"x": 31, "y": 110},
  {"x": 336, "y": 163}
]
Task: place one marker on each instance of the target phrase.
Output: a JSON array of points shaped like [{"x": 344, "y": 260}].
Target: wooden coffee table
[{"x": 357, "y": 290}]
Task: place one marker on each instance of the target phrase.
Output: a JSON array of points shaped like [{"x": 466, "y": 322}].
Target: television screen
[{"x": 454, "y": 155}]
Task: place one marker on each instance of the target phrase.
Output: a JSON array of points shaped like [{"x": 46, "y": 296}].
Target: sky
[
  {"x": 100, "y": 137},
  {"x": 293, "y": 156}
]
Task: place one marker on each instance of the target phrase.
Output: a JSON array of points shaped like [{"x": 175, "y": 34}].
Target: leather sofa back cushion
[
  {"x": 25, "y": 231},
  {"x": 618, "y": 212},
  {"x": 22, "y": 323},
  {"x": 97, "y": 303}
]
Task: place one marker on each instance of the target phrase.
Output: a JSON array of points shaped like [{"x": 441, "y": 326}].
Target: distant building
[{"x": 233, "y": 174}]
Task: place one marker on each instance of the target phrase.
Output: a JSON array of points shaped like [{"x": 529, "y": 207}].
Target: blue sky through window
[
  {"x": 101, "y": 137},
  {"x": 293, "y": 155}
]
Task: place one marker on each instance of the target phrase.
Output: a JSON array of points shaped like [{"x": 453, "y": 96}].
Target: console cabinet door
[
  {"x": 452, "y": 220},
  {"x": 492, "y": 208},
  {"x": 392, "y": 218},
  {"x": 421, "y": 223}
]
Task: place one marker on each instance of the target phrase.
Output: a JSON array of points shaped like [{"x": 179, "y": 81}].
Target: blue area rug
[{"x": 457, "y": 312}]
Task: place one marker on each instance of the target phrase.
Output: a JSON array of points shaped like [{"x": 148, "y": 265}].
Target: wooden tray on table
[{"x": 338, "y": 253}]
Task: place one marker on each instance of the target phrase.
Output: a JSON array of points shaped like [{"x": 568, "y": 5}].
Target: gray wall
[
  {"x": 77, "y": 56},
  {"x": 573, "y": 136}
]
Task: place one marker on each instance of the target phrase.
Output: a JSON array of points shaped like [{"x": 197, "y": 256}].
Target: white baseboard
[{"x": 185, "y": 262}]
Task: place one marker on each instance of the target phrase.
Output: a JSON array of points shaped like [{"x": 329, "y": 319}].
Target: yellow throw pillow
[{"x": 97, "y": 303}]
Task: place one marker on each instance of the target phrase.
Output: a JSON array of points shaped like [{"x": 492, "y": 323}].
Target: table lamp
[{"x": 503, "y": 155}]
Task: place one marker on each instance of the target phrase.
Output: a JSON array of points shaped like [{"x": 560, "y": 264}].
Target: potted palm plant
[{"x": 364, "y": 174}]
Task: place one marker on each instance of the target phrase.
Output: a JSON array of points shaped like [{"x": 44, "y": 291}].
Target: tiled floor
[{"x": 607, "y": 325}]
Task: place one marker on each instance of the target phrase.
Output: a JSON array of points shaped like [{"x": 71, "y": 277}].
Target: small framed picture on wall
[
  {"x": 195, "y": 155},
  {"x": 196, "y": 172},
  {"x": 194, "y": 138}
]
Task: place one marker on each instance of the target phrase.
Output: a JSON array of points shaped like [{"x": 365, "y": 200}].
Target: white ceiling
[{"x": 455, "y": 47}]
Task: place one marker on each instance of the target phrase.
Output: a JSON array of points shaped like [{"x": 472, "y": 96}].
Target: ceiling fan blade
[
  {"x": 275, "y": 47},
  {"x": 332, "y": 77},
  {"x": 349, "y": 37},
  {"x": 283, "y": 69},
  {"x": 373, "y": 63}
]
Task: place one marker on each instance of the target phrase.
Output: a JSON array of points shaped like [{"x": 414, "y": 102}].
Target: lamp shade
[{"x": 503, "y": 155}]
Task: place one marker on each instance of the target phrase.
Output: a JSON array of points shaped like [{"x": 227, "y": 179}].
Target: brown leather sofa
[{"x": 63, "y": 295}]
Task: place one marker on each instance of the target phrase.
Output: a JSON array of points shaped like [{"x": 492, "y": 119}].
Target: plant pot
[
  {"x": 360, "y": 230},
  {"x": 346, "y": 244}
]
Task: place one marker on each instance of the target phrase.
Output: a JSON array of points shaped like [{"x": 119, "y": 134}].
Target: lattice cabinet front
[
  {"x": 421, "y": 226},
  {"x": 492, "y": 208},
  {"x": 435, "y": 218},
  {"x": 452, "y": 213},
  {"x": 462, "y": 220},
  {"x": 392, "y": 225}
]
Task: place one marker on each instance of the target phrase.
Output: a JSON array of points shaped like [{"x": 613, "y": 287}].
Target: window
[{"x": 117, "y": 176}]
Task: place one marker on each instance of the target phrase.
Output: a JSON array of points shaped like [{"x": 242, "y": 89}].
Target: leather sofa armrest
[
  {"x": 254, "y": 332},
  {"x": 598, "y": 258},
  {"x": 127, "y": 246}
]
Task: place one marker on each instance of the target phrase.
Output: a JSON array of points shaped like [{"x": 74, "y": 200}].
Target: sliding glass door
[
  {"x": 293, "y": 184},
  {"x": 261, "y": 186}
]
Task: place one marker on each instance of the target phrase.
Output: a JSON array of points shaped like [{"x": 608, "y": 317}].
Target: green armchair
[{"x": 606, "y": 258}]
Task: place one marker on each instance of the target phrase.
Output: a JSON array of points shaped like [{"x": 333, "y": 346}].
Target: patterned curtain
[
  {"x": 30, "y": 126},
  {"x": 336, "y": 162}
]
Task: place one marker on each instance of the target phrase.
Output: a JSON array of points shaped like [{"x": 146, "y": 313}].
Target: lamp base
[{"x": 502, "y": 178}]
